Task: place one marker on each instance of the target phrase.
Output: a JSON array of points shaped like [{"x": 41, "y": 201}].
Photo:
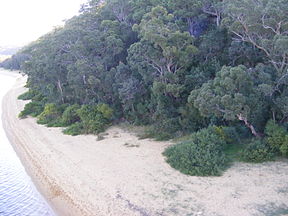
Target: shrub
[
  {"x": 284, "y": 147},
  {"x": 33, "y": 109},
  {"x": 74, "y": 129},
  {"x": 257, "y": 151},
  {"x": 95, "y": 118},
  {"x": 49, "y": 114},
  {"x": 202, "y": 155},
  {"x": 27, "y": 95},
  {"x": 276, "y": 137},
  {"x": 70, "y": 115},
  {"x": 228, "y": 134}
]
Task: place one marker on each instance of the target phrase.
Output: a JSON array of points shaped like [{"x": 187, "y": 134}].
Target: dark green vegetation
[
  {"x": 203, "y": 154},
  {"x": 177, "y": 66}
]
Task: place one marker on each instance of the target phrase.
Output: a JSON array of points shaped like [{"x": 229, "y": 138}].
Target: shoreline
[{"x": 82, "y": 176}]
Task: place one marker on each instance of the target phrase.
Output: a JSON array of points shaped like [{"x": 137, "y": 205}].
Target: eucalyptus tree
[
  {"x": 191, "y": 13},
  {"x": 264, "y": 24},
  {"x": 161, "y": 56},
  {"x": 232, "y": 95}
]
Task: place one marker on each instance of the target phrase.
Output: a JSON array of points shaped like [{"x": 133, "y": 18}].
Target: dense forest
[{"x": 213, "y": 70}]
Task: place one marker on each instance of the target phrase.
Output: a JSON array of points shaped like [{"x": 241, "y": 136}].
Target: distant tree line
[{"x": 178, "y": 66}]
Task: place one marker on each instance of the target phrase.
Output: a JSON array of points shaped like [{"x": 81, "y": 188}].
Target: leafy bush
[
  {"x": 228, "y": 134},
  {"x": 257, "y": 151},
  {"x": 49, "y": 114},
  {"x": 277, "y": 137},
  {"x": 284, "y": 147},
  {"x": 74, "y": 129},
  {"x": 95, "y": 118},
  {"x": 202, "y": 155},
  {"x": 27, "y": 95},
  {"x": 70, "y": 115},
  {"x": 33, "y": 109}
]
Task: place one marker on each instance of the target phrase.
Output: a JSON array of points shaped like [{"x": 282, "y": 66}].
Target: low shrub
[
  {"x": 202, "y": 155},
  {"x": 34, "y": 108},
  {"x": 284, "y": 147},
  {"x": 95, "y": 118},
  {"x": 257, "y": 151},
  {"x": 27, "y": 95},
  {"x": 74, "y": 129},
  {"x": 277, "y": 137},
  {"x": 70, "y": 115},
  {"x": 50, "y": 114},
  {"x": 228, "y": 134}
]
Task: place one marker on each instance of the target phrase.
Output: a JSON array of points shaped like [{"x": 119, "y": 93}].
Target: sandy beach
[{"x": 122, "y": 175}]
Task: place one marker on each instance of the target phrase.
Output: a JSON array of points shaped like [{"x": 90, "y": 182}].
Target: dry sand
[{"x": 122, "y": 175}]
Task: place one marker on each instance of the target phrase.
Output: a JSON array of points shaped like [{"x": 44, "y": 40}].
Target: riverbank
[
  {"x": 18, "y": 195},
  {"x": 121, "y": 175}
]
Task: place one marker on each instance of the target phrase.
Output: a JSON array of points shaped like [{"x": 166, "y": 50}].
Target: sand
[{"x": 122, "y": 175}]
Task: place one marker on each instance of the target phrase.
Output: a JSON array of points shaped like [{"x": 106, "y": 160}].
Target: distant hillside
[
  {"x": 8, "y": 50},
  {"x": 4, "y": 57}
]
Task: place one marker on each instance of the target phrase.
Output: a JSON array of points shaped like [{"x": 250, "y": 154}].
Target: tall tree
[{"x": 231, "y": 95}]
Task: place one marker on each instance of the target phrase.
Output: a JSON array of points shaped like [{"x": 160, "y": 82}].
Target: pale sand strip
[{"x": 82, "y": 176}]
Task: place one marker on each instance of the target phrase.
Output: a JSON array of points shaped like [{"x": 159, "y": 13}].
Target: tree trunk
[
  {"x": 61, "y": 90},
  {"x": 250, "y": 126},
  {"x": 218, "y": 19},
  {"x": 191, "y": 25}
]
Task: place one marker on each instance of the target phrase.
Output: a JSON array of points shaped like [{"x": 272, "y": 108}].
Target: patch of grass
[
  {"x": 135, "y": 129},
  {"x": 152, "y": 132}
]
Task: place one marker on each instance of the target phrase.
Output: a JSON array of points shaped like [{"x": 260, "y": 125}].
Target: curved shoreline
[{"x": 83, "y": 176}]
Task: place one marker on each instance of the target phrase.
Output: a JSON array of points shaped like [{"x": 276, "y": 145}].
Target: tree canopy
[{"x": 179, "y": 66}]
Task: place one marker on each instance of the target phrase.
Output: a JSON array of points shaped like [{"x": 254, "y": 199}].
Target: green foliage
[
  {"x": 164, "y": 64},
  {"x": 30, "y": 94},
  {"x": 228, "y": 134},
  {"x": 284, "y": 147},
  {"x": 164, "y": 129},
  {"x": 74, "y": 129},
  {"x": 277, "y": 137},
  {"x": 95, "y": 119},
  {"x": 33, "y": 109},
  {"x": 257, "y": 151},
  {"x": 152, "y": 132},
  {"x": 70, "y": 115},
  {"x": 231, "y": 95},
  {"x": 202, "y": 155},
  {"x": 49, "y": 114}
]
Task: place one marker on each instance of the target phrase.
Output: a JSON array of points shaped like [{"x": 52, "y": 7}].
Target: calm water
[{"x": 18, "y": 195}]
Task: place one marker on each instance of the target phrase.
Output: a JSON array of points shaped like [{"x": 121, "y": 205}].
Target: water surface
[{"x": 18, "y": 195}]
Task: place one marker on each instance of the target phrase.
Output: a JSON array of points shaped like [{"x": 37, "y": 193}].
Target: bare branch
[{"x": 268, "y": 27}]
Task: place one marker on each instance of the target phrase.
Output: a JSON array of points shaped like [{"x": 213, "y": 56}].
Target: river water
[{"x": 18, "y": 195}]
